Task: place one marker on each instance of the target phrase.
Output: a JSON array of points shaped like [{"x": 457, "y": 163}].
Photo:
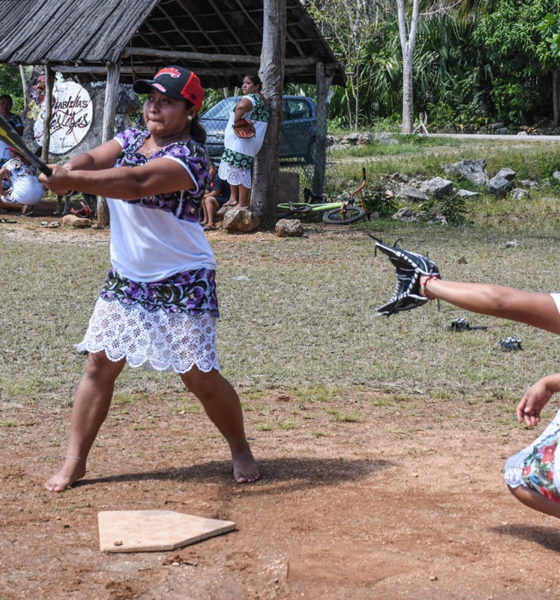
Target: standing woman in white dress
[{"x": 237, "y": 160}]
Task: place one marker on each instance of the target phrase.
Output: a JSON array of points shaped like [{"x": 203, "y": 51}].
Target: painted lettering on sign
[{"x": 72, "y": 111}]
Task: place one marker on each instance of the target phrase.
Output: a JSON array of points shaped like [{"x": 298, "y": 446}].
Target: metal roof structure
[{"x": 218, "y": 39}]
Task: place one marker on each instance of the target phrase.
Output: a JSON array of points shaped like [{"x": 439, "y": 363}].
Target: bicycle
[{"x": 340, "y": 212}]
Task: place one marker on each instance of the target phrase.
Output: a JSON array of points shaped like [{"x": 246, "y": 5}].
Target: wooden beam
[{"x": 232, "y": 58}]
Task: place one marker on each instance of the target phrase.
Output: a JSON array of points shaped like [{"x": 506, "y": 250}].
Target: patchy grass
[{"x": 304, "y": 319}]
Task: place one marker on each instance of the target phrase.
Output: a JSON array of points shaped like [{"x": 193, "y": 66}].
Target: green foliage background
[{"x": 475, "y": 62}]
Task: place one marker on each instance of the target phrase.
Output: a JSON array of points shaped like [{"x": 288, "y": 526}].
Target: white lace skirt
[
  {"x": 152, "y": 339},
  {"x": 235, "y": 175}
]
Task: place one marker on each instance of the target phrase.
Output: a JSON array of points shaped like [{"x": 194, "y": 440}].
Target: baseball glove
[
  {"x": 243, "y": 128},
  {"x": 409, "y": 267}
]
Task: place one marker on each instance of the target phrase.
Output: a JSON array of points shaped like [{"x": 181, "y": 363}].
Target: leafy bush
[
  {"x": 454, "y": 209},
  {"x": 379, "y": 201},
  {"x": 513, "y": 101}
]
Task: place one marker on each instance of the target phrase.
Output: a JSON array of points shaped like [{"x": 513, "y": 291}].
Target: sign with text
[{"x": 72, "y": 111}]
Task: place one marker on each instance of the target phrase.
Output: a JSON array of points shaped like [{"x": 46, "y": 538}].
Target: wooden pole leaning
[{"x": 108, "y": 131}]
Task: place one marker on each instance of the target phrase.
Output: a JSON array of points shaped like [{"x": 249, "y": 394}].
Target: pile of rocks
[{"x": 414, "y": 190}]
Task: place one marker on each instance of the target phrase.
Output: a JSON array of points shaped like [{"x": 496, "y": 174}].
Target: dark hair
[
  {"x": 255, "y": 79},
  {"x": 198, "y": 133},
  {"x": 8, "y": 97}
]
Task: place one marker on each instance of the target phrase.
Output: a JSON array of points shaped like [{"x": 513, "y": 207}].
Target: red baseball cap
[{"x": 175, "y": 82}]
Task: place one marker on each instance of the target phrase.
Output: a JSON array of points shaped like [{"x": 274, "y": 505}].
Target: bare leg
[
  {"x": 532, "y": 308},
  {"x": 204, "y": 211},
  {"x": 11, "y": 205},
  {"x": 221, "y": 403},
  {"x": 536, "y": 501},
  {"x": 212, "y": 207},
  {"x": 244, "y": 197},
  {"x": 233, "y": 195},
  {"x": 91, "y": 404}
]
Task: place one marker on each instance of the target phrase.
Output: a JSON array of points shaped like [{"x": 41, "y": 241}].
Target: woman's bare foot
[
  {"x": 245, "y": 468},
  {"x": 74, "y": 468},
  {"x": 230, "y": 203}
]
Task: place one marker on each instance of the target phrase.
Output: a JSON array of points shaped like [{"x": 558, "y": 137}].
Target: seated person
[
  {"x": 6, "y": 104},
  {"x": 217, "y": 194},
  {"x": 24, "y": 190}
]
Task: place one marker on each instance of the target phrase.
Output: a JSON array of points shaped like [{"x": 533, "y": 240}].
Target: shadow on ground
[{"x": 281, "y": 474}]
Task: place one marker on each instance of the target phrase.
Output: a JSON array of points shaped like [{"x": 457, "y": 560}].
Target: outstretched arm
[
  {"x": 158, "y": 176},
  {"x": 532, "y": 308},
  {"x": 535, "y": 398}
]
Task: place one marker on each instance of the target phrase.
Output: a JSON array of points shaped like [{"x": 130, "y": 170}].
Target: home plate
[{"x": 152, "y": 530}]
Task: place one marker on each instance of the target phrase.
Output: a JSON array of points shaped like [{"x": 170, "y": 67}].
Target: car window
[
  {"x": 296, "y": 109},
  {"x": 222, "y": 110}
]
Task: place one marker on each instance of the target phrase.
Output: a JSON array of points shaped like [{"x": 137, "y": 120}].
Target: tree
[
  {"x": 521, "y": 54},
  {"x": 407, "y": 34},
  {"x": 10, "y": 83},
  {"x": 549, "y": 54},
  {"x": 348, "y": 25},
  {"x": 267, "y": 171}
]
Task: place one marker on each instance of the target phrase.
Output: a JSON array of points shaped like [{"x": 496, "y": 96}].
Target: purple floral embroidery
[
  {"x": 191, "y": 292},
  {"x": 185, "y": 205}
]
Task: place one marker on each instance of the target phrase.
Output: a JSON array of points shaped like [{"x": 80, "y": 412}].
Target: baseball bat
[{"x": 11, "y": 137}]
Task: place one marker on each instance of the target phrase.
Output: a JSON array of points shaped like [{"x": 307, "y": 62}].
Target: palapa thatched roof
[{"x": 82, "y": 36}]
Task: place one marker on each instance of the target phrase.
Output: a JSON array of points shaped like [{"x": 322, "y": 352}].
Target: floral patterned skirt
[
  {"x": 538, "y": 465},
  {"x": 167, "y": 326}
]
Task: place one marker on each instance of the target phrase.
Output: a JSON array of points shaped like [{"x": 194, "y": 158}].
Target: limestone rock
[
  {"x": 473, "y": 170},
  {"x": 528, "y": 183},
  {"x": 408, "y": 192},
  {"x": 406, "y": 215},
  {"x": 501, "y": 183},
  {"x": 508, "y": 174},
  {"x": 520, "y": 194},
  {"x": 77, "y": 222},
  {"x": 289, "y": 228},
  {"x": 438, "y": 186},
  {"x": 467, "y": 194},
  {"x": 240, "y": 220}
]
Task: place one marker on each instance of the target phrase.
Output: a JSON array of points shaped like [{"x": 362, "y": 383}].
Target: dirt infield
[
  {"x": 364, "y": 496},
  {"x": 404, "y": 499}
]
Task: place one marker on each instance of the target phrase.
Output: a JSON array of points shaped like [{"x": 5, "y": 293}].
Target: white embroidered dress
[{"x": 237, "y": 160}]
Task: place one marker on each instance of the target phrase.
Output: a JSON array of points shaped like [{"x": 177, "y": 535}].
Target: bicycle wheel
[{"x": 341, "y": 216}]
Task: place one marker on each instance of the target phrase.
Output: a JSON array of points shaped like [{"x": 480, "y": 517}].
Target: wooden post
[
  {"x": 323, "y": 80},
  {"x": 271, "y": 72},
  {"x": 49, "y": 81},
  {"x": 109, "y": 111}
]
